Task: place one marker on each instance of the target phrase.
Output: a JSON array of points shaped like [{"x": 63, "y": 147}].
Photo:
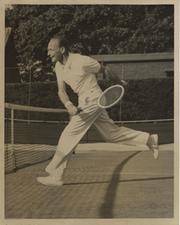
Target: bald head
[{"x": 57, "y": 48}]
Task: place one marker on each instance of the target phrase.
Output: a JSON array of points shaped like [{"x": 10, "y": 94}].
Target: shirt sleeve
[{"x": 90, "y": 65}]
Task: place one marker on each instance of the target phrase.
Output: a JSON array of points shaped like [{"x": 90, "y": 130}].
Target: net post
[
  {"x": 12, "y": 126},
  {"x": 12, "y": 138}
]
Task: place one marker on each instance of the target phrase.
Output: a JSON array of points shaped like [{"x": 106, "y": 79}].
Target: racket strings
[{"x": 111, "y": 96}]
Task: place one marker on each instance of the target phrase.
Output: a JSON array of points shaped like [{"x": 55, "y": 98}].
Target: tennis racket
[{"x": 111, "y": 96}]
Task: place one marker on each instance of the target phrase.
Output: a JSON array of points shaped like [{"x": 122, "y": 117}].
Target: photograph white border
[{"x": 135, "y": 221}]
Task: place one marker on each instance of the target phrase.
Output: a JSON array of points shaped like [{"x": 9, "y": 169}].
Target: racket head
[{"x": 111, "y": 96}]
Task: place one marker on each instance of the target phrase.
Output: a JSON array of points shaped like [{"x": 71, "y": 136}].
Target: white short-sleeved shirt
[{"x": 78, "y": 72}]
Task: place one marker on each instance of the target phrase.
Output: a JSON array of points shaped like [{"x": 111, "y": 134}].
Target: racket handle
[{"x": 79, "y": 109}]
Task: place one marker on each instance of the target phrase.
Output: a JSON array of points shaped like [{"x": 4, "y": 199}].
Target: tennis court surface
[{"x": 98, "y": 184}]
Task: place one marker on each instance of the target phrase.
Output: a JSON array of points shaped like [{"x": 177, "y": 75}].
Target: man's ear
[{"x": 62, "y": 49}]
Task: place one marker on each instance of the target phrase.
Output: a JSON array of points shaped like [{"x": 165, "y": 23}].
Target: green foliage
[
  {"x": 94, "y": 29},
  {"x": 152, "y": 99},
  {"x": 144, "y": 99}
]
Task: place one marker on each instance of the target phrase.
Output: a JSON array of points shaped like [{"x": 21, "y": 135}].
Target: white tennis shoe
[
  {"x": 49, "y": 170},
  {"x": 50, "y": 181},
  {"x": 58, "y": 172},
  {"x": 153, "y": 145}
]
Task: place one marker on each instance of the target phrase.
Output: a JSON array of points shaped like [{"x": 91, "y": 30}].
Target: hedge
[{"x": 144, "y": 99}]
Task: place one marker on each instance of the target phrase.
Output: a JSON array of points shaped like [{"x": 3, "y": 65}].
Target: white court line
[
  {"x": 92, "y": 147},
  {"x": 88, "y": 147}
]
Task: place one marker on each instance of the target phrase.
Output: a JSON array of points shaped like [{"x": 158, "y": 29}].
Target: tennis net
[{"x": 32, "y": 133}]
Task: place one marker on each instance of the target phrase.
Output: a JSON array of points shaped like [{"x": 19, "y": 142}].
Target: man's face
[{"x": 54, "y": 51}]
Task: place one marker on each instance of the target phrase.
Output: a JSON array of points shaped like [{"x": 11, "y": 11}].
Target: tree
[{"x": 91, "y": 29}]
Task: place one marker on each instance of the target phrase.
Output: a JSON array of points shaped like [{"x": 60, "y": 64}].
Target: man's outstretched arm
[{"x": 72, "y": 109}]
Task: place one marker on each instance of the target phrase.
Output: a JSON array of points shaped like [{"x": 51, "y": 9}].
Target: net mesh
[
  {"x": 29, "y": 137},
  {"x": 31, "y": 134}
]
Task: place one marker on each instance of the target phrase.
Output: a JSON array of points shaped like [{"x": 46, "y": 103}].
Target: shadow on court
[{"x": 107, "y": 206}]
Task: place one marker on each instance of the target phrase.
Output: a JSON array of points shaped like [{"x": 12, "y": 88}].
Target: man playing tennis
[{"x": 79, "y": 72}]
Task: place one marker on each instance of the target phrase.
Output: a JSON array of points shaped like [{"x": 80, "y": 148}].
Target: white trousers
[{"x": 79, "y": 124}]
